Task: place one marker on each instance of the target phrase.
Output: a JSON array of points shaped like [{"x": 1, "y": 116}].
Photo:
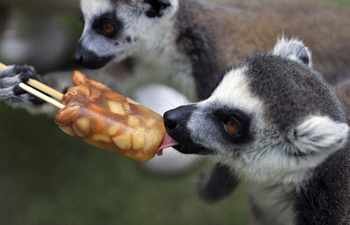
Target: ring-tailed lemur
[
  {"x": 196, "y": 40},
  {"x": 274, "y": 120}
]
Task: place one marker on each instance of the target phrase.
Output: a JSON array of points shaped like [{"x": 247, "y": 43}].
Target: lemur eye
[
  {"x": 107, "y": 25},
  {"x": 108, "y": 28},
  {"x": 232, "y": 126}
]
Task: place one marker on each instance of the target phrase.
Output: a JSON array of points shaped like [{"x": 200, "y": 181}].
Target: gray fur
[
  {"x": 325, "y": 197},
  {"x": 283, "y": 85}
]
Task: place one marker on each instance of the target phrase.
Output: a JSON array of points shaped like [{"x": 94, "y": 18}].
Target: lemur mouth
[
  {"x": 90, "y": 60},
  {"x": 184, "y": 147},
  {"x": 98, "y": 63},
  {"x": 168, "y": 142},
  {"x": 193, "y": 150}
]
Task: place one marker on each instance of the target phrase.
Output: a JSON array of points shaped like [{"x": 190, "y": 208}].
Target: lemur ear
[
  {"x": 293, "y": 49},
  {"x": 319, "y": 133},
  {"x": 157, "y": 7}
]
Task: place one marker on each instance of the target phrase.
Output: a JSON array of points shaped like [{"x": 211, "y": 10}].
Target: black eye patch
[
  {"x": 107, "y": 25},
  {"x": 225, "y": 116},
  {"x": 305, "y": 59}
]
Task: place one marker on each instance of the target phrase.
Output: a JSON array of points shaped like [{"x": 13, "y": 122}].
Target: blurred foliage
[
  {"x": 343, "y": 2},
  {"x": 49, "y": 178}
]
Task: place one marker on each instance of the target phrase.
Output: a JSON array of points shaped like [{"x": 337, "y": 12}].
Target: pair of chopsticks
[{"x": 41, "y": 91}]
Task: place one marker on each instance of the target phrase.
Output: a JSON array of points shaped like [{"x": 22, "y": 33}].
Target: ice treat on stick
[
  {"x": 109, "y": 120},
  {"x": 93, "y": 112}
]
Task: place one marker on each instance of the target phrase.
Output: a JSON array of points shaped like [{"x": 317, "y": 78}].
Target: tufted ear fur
[
  {"x": 319, "y": 134},
  {"x": 293, "y": 49},
  {"x": 158, "y": 8}
]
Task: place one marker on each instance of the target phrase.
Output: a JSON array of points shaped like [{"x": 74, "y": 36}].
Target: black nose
[
  {"x": 89, "y": 59},
  {"x": 177, "y": 126},
  {"x": 177, "y": 119}
]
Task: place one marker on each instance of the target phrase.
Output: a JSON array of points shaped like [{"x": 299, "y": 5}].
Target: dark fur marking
[
  {"x": 157, "y": 8},
  {"x": 194, "y": 40},
  {"x": 220, "y": 184},
  {"x": 325, "y": 198}
]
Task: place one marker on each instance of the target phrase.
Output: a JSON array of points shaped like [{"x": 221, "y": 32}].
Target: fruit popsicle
[{"x": 109, "y": 120}]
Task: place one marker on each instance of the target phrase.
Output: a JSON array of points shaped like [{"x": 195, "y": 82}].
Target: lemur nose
[
  {"x": 89, "y": 59},
  {"x": 83, "y": 55},
  {"x": 78, "y": 58},
  {"x": 170, "y": 120},
  {"x": 178, "y": 118}
]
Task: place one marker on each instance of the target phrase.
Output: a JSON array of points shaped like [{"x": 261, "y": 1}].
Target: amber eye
[
  {"x": 232, "y": 127},
  {"x": 108, "y": 28}
]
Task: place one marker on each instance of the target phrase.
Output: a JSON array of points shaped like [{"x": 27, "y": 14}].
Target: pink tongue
[{"x": 167, "y": 143}]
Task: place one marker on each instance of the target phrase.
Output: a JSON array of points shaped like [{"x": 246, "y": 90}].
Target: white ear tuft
[
  {"x": 293, "y": 49},
  {"x": 320, "y": 133}
]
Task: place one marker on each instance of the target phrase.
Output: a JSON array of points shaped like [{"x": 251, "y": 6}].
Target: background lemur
[
  {"x": 274, "y": 120},
  {"x": 190, "y": 42}
]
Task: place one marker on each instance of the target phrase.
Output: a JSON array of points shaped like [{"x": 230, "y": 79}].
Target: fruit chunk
[
  {"x": 113, "y": 130},
  {"x": 83, "y": 124},
  {"x": 133, "y": 121},
  {"x": 123, "y": 141},
  {"x": 116, "y": 108},
  {"x": 138, "y": 139}
]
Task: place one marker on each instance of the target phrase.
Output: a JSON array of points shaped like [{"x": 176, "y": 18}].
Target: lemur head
[
  {"x": 113, "y": 29},
  {"x": 272, "y": 115}
]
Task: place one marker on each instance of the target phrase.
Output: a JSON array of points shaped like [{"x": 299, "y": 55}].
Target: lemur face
[
  {"x": 113, "y": 29},
  {"x": 271, "y": 115}
]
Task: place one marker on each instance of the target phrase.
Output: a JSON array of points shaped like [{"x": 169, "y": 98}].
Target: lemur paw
[
  {"x": 10, "y": 78},
  {"x": 217, "y": 185}
]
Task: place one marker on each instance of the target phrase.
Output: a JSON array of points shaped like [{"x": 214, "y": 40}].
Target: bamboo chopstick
[{"x": 43, "y": 88}]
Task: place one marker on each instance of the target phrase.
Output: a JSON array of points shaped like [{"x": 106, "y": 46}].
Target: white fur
[
  {"x": 268, "y": 160},
  {"x": 91, "y": 8},
  {"x": 274, "y": 201},
  {"x": 292, "y": 49},
  {"x": 320, "y": 133},
  {"x": 234, "y": 92},
  {"x": 153, "y": 39}
]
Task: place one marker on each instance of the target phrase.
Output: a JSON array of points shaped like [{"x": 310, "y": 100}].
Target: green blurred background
[{"x": 46, "y": 178}]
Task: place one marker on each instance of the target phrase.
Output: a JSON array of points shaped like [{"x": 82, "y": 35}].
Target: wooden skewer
[
  {"x": 42, "y": 96},
  {"x": 42, "y": 87},
  {"x": 46, "y": 89},
  {"x": 2, "y": 66}
]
